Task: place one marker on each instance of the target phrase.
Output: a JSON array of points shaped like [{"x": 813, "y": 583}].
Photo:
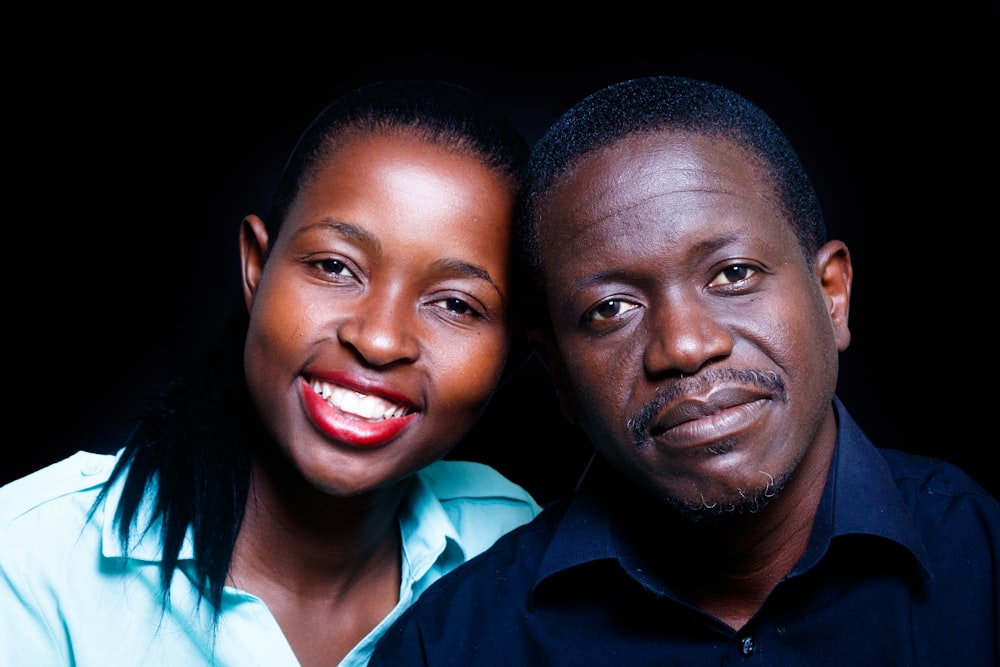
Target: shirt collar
[
  {"x": 427, "y": 531},
  {"x": 860, "y": 497},
  {"x": 584, "y": 534}
]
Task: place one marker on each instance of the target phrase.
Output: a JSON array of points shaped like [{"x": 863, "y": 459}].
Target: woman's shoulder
[
  {"x": 75, "y": 480},
  {"x": 470, "y": 480},
  {"x": 472, "y": 502}
]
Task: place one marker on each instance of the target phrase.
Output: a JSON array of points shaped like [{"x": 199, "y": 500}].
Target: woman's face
[{"x": 379, "y": 322}]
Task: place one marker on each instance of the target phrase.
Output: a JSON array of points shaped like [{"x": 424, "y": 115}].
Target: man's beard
[{"x": 730, "y": 509}]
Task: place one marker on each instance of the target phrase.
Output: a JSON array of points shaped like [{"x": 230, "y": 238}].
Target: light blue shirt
[{"x": 71, "y": 595}]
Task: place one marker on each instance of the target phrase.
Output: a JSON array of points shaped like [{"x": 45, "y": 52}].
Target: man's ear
[
  {"x": 833, "y": 263},
  {"x": 253, "y": 251},
  {"x": 546, "y": 348}
]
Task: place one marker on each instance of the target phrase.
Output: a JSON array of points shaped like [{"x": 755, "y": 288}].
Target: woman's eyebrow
[{"x": 462, "y": 268}]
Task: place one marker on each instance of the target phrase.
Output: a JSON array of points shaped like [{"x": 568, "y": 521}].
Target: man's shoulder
[
  {"x": 919, "y": 475},
  {"x": 957, "y": 519}
]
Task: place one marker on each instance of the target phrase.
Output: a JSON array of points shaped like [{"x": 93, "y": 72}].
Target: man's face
[{"x": 693, "y": 342}]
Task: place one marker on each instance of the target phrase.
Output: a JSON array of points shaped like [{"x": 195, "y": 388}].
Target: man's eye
[
  {"x": 608, "y": 309},
  {"x": 732, "y": 274}
]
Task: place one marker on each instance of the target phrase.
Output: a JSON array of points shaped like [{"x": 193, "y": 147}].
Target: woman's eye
[
  {"x": 333, "y": 267},
  {"x": 457, "y": 306},
  {"x": 732, "y": 274},
  {"x": 608, "y": 309}
]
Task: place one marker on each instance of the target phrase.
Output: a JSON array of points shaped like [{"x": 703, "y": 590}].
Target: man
[{"x": 694, "y": 311}]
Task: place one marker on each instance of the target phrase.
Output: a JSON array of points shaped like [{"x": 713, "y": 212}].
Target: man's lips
[
  {"x": 715, "y": 404},
  {"x": 353, "y": 417},
  {"x": 689, "y": 409}
]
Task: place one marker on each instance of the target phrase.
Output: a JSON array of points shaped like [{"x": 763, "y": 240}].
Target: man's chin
[{"x": 726, "y": 509}]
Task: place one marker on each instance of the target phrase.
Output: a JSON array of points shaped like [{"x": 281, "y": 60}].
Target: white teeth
[
  {"x": 349, "y": 403},
  {"x": 370, "y": 407},
  {"x": 361, "y": 405}
]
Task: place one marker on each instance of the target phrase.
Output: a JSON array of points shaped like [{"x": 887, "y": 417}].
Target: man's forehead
[{"x": 645, "y": 166}]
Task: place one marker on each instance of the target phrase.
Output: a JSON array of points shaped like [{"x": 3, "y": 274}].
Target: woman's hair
[
  {"x": 438, "y": 112},
  {"x": 191, "y": 450}
]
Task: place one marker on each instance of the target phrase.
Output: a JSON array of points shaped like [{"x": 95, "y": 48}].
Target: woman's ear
[
  {"x": 833, "y": 263},
  {"x": 253, "y": 251},
  {"x": 547, "y": 350}
]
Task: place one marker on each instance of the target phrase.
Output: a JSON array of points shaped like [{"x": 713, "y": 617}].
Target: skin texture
[
  {"x": 698, "y": 349},
  {"x": 389, "y": 278}
]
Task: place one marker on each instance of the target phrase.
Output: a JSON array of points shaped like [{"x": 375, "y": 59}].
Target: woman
[{"x": 285, "y": 504}]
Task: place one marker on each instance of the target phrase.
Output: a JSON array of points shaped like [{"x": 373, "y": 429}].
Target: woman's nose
[{"x": 382, "y": 330}]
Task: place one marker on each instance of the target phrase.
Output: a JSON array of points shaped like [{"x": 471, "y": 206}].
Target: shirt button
[
  {"x": 91, "y": 469},
  {"x": 747, "y": 646}
]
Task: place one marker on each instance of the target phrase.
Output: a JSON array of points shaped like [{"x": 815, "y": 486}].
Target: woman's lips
[
  {"x": 353, "y": 418},
  {"x": 359, "y": 403}
]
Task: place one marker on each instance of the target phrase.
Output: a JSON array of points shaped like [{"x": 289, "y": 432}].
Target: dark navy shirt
[{"x": 901, "y": 569}]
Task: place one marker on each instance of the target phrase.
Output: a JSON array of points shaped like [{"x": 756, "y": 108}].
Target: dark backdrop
[{"x": 132, "y": 178}]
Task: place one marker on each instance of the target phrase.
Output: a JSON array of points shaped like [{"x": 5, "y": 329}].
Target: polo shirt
[
  {"x": 70, "y": 594},
  {"x": 901, "y": 568}
]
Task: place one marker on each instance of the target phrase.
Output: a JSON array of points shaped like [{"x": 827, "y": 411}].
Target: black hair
[
  {"x": 439, "y": 112},
  {"x": 650, "y": 104},
  {"x": 192, "y": 448}
]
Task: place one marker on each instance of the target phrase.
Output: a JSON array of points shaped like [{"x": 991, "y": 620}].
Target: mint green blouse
[{"x": 71, "y": 595}]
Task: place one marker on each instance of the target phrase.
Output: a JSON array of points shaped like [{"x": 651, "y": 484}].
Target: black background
[{"x": 131, "y": 173}]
